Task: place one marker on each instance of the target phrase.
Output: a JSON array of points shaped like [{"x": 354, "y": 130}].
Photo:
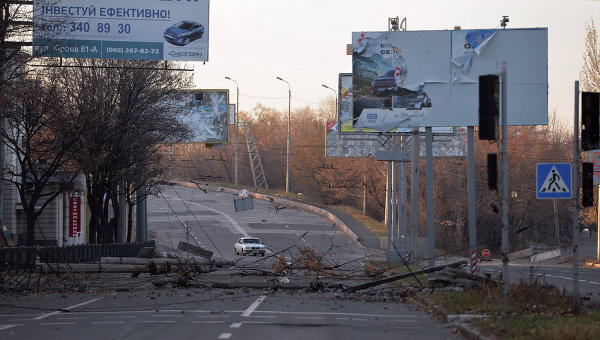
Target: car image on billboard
[{"x": 184, "y": 32}]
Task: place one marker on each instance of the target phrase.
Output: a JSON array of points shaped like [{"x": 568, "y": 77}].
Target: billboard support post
[
  {"x": 414, "y": 191},
  {"x": 472, "y": 206},
  {"x": 430, "y": 216},
  {"x": 504, "y": 192}
]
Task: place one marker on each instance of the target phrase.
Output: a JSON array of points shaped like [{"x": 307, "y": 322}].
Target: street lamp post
[
  {"x": 237, "y": 144},
  {"x": 289, "y": 138},
  {"x": 336, "y": 99}
]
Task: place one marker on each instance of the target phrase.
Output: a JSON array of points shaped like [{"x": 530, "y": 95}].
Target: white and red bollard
[{"x": 474, "y": 262}]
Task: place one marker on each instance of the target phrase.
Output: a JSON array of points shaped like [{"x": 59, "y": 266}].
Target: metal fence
[{"x": 15, "y": 258}]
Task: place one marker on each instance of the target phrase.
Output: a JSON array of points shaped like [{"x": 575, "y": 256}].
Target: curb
[{"x": 463, "y": 328}]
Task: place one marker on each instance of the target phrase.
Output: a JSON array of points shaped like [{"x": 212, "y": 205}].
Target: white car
[{"x": 249, "y": 245}]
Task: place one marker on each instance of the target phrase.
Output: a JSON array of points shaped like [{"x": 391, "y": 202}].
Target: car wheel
[{"x": 186, "y": 41}]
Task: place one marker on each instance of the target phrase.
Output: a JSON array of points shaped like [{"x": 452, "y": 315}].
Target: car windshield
[
  {"x": 183, "y": 25},
  {"x": 252, "y": 240}
]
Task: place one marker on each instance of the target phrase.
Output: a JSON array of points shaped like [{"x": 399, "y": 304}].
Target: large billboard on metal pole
[
  {"x": 430, "y": 78},
  {"x": 206, "y": 113},
  {"x": 122, "y": 29}
]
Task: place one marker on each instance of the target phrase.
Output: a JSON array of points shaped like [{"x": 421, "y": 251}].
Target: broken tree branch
[{"x": 403, "y": 276}]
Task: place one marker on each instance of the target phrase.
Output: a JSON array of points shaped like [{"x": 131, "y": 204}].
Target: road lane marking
[
  {"x": 386, "y": 316},
  {"x": 308, "y": 317},
  {"x": 68, "y": 308},
  {"x": 225, "y": 336},
  {"x": 235, "y": 224},
  {"x": 106, "y": 322},
  {"x": 158, "y": 321},
  {"x": 216, "y": 321},
  {"x": 235, "y": 325},
  {"x": 56, "y": 323},
  {"x": 166, "y": 316},
  {"x": 4, "y": 327},
  {"x": 253, "y": 306},
  {"x": 213, "y": 316},
  {"x": 263, "y": 316}
]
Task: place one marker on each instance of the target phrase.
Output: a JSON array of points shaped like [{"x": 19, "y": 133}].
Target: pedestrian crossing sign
[{"x": 553, "y": 180}]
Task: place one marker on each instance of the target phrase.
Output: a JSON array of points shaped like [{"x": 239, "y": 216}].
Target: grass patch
[
  {"x": 583, "y": 326},
  {"x": 534, "y": 312},
  {"x": 377, "y": 227}
]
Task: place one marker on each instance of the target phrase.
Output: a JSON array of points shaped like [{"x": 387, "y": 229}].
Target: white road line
[
  {"x": 166, "y": 316},
  {"x": 4, "y": 327},
  {"x": 308, "y": 317},
  {"x": 106, "y": 322},
  {"x": 235, "y": 325},
  {"x": 225, "y": 336},
  {"x": 386, "y": 316},
  {"x": 159, "y": 321},
  {"x": 73, "y": 318},
  {"x": 208, "y": 321},
  {"x": 235, "y": 224},
  {"x": 257, "y": 322},
  {"x": 68, "y": 308},
  {"x": 213, "y": 316},
  {"x": 121, "y": 317},
  {"x": 56, "y": 323},
  {"x": 263, "y": 316},
  {"x": 253, "y": 306}
]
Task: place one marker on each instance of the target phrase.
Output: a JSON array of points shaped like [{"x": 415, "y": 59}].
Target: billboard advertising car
[
  {"x": 122, "y": 29},
  {"x": 206, "y": 113},
  {"x": 430, "y": 78}
]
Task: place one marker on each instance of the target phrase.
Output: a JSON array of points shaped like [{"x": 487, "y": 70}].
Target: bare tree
[
  {"x": 590, "y": 74},
  {"x": 130, "y": 113},
  {"x": 40, "y": 137}
]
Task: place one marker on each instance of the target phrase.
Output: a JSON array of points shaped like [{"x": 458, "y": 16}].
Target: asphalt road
[
  {"x": 560, "y": 276},
  {"x": 118, "y": 306},
  {"x": 213, "y": 314},
  {"x": 209, "y": 220}
]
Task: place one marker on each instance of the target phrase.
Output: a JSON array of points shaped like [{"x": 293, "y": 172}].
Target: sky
[{"x": 304, "y": 42}]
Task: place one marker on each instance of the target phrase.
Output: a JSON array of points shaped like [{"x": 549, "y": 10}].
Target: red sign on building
[{"x": 75, "y": 216}]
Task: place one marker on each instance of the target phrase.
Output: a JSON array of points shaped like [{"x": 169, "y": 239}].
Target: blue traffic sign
[{"x": 553, "y": 180}]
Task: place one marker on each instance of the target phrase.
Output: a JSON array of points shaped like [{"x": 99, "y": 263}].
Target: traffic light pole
[{"x": 575, "y": 172}]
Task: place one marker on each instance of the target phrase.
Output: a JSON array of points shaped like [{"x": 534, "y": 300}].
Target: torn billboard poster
[
  {"x": 206, "y": 113},
  {"x": 430, "y": 78}
]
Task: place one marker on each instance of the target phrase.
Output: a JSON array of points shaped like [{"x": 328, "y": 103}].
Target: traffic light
[
  {"x": 488, "y": 107},
  {"x": 492, "y": 170},
  {"x": 587, "y": 185},
  {"x": 590, "y": 121}
]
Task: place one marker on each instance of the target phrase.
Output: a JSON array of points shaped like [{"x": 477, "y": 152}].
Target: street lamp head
[
  {"x": 228, "y": 78},
  {"x": 279, "y": 78},
  {"x": 325, "y": 86}
]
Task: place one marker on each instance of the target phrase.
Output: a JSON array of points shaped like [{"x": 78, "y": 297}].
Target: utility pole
[{"x": 237, "y": 119}]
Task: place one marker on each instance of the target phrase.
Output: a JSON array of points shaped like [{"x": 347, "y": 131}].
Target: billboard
[
  {"x": 447, "y": 142},
  {"x": 430, "y": 78},
  {"x": 122, "y": 29},
  {"x": 206, "y": 112}
]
